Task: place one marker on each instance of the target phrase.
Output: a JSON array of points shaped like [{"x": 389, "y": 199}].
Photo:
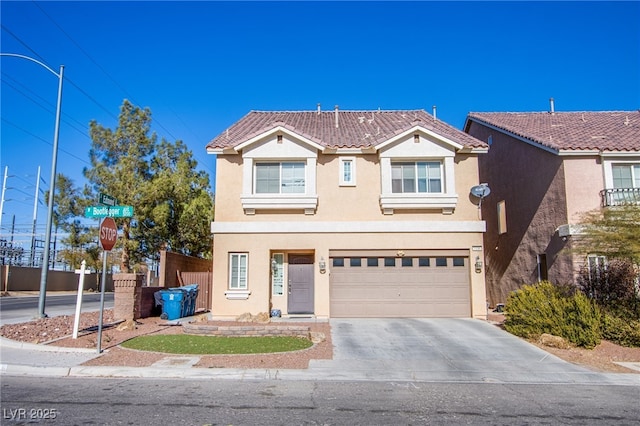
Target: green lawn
[{"x": 216, "y": 345}]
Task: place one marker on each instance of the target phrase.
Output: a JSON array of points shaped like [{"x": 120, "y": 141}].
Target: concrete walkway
[{"x": 423, "y": 350}]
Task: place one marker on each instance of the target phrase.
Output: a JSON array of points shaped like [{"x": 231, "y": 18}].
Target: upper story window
[
  {"x": 416, "y": 177},
  {"x": 622, "y": 183},
  {"x": 347, "y": 171},
  {"x": 626, "y": 175},
  {"x": 280, "y": 178}
]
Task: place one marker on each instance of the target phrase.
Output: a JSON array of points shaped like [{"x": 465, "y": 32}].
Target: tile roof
[
  {"x": 356, "y": 129},
  {"x": 588, "y": 130}
]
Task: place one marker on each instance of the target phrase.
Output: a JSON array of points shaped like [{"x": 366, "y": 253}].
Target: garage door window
[
  {"x": 355, "y": 262},
  {"x": 407, "y": 261},
  {"x": 338, "y": 262},
  {"x": 441, "y": 261},
  {"x": 424, "y": 261},
  {"x": 372, "y": 261},
  {"x": 390, "y": 261},
  {"x": 458, "y": 261}
]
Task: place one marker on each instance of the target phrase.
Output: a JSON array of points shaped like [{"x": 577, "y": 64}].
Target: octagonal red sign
[{"x": 108, "y": 233}]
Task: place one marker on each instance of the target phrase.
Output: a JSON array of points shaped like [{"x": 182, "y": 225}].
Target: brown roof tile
[
  {"x": 356, "y": 129},
  {"x": 589, "y": 130}
]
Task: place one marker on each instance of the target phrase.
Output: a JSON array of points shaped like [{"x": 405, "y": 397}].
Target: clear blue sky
[{"x": 200, "y": 66}]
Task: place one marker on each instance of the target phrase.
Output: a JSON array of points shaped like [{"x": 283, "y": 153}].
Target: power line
[
  {"x": 24, "y": 44},
  {"x": 43, "y": 140},
  {"x": 82, "y": 132},
  {"x": 26, "y": 88},
  {"x": 50, "y": 104},
  {"x": 113, "y": 80},
  {"x": 101, "y": 68}
]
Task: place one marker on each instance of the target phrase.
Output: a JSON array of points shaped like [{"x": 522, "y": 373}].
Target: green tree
[
  {"x": 81, "y": 239},
  {"x": 158, "y": 179},
  {"x": 613, "y": 232},
  {"x": 180, "y": 213}
]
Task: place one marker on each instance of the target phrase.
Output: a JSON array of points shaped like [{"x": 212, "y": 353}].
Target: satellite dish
[{"x": 480, "y": 191}]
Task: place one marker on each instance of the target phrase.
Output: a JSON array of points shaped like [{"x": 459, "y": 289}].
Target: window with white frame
[
  {"x": 597, "y": 264},
  {"x": 280, "y": 178},
  {"x": 416, "y": 177},
  {"x": 626, "y": 175},
  {"x": 596, "y": 261},
  {"x": 347, "y": 171},
  {"x": 238, "y": 271},
  {"x": 277, "y": 274}
]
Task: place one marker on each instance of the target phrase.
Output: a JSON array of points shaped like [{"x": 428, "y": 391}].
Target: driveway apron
[{"x": 448, "y": 350}]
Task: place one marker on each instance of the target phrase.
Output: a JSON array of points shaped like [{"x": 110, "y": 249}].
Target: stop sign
[{"x": 108, "y": 233}]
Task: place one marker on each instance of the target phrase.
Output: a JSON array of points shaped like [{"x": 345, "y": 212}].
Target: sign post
[
  {"x": 108, "y": 233},
  {"x": 82, "y": 271}
]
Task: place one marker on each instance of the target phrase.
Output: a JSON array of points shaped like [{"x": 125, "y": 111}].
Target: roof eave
[
  {"x": 278, "y": 129},
  {"x": 620, "y": 154},
  {"x": 531, "y": 142},
  {"x": 413, "y": 129}
]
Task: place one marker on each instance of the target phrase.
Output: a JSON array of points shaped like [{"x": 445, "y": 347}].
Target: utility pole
[
  {"x": 35, "y": 218},
  {"x": 4, "y": 188}
]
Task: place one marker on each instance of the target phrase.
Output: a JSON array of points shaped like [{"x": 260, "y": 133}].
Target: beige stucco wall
[
  {"x": 350, "y": 208},
  {"x": 360, "y": 202},
  {"x": 584, "y": 179},
  {"x": 261, "y": 246}
]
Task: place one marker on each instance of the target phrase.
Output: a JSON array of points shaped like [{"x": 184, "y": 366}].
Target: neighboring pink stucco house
[
  {"x": 347, "y": 214},
  {"x": 545, "y": 169}
]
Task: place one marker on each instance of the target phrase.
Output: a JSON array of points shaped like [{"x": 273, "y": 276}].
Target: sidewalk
[{"x": 25, "y": 359}]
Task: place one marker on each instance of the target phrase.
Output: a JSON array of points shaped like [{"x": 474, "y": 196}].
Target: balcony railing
[{"x": 620, "y": 196}]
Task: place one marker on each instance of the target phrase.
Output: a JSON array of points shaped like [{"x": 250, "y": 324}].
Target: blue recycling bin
[
  {"x": 192, "y": 296},
  {"x": 172, "y": 304}
]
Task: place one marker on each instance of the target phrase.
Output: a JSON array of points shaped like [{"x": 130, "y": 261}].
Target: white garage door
[{"x": 414, "y": 285}]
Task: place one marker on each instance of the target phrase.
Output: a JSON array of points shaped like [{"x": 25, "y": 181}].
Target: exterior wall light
[
  {"x": 322, "y": 265},
  {"x": 478, "y": 264}
]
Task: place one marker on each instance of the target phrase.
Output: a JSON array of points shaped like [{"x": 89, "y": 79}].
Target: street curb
[
  {"x": 163, "y": 373},
  {"x": 4, "y": 342},
  {"x": 592, "y": 379},
  {"x": 30, "y": 370}
]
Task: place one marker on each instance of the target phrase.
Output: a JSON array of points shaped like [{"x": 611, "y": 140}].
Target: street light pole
[{"x": 52, "y": 185}]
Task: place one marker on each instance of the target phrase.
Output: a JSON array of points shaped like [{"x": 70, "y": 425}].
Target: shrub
[
  {"x": 545, "y": 308},
  {"x": 610, "y": 284},
  {"x": 621, "y": 330}
]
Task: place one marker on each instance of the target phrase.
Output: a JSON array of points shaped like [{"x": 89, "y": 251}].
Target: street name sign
[
  {"x": 108, "y": 211},
  {"x": 107, "y": 200}
]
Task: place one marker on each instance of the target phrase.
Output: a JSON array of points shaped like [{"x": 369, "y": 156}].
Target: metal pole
[
  {"x": 32, "y": 260},
  {"x": 103, "y": 285},
  {"x": 4, "y": 188},
  {"x": 52, "y": 187}
]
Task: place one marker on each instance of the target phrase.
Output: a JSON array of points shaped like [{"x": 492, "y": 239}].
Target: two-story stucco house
[
  {"x": 347, "y": 214},
  {"x": 545, "y": 170}
]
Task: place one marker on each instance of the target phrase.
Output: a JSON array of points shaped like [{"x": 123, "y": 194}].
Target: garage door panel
[
  {"x": 400, "y": 291},
  {"x": 386, "y": 309}
]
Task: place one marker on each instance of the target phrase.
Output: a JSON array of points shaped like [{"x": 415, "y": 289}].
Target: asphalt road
[
  {"x": 272, "y": 402},
  {"x": 25, "y": 308}
]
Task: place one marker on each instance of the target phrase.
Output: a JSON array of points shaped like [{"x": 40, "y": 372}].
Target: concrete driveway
[{"x": 448, "y": 350}]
